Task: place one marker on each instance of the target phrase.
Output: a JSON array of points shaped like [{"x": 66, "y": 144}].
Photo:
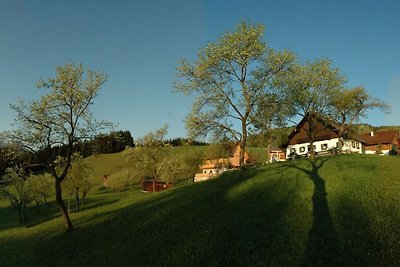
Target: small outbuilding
[
  {"x": 276, "y": 155},
  {"x": 154, "y": 186}
]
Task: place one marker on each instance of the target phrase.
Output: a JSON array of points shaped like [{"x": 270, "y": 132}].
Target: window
[
  {"x": 302, "y": 149},
  {"x": 292, "y": 150},
  {"x": 324, "y": 146},
  {"x": 353, "y": 144},
  {"x": 358, "y": 145}
]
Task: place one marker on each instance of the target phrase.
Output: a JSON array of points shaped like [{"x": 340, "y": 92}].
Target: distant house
[
  {"x": 211, "y": 169},
  {"x": 214, "y": 167},
  {"x": 326, "y": 139},
  {"x": 105, "y": 179},
  {"x": 276, "y": 155},
  {"x": 235, "y": 156},
  {"x": 383, "y": 142}
]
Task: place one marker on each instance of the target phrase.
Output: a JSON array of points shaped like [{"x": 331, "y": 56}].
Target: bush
[{"x": 122, "y": 180}]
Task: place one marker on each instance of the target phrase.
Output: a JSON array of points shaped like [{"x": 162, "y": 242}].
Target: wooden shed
[{"x": 154, "y": 186}]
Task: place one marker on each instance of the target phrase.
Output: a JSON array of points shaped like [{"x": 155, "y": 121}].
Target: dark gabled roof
[
  {"x": 331, "y": 130},
  {"x": 384, "y": 137}
]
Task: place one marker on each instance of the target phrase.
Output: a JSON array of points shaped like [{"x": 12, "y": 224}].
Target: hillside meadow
[
  {"x": 332, "y": 211},
  {"x": 108, "y": 164}
]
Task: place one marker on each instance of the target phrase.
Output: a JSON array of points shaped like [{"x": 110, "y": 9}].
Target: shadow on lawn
[
  {"x": 322, "y": 248},
  {"x": 9, "y": 216},
  {"x": 34, "y": 216}
]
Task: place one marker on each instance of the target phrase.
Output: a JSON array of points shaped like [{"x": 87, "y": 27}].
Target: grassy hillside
[
  {"x": 107, "y": 164},
  {"x": 334, "y": 211}
]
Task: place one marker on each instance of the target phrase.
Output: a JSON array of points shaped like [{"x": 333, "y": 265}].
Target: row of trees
[
  {"x": 242, "y": 86},
  {"x": 21, "y": 187},
  {"x": 104, "y": 143},
  {"x": 113, "y": 142}
]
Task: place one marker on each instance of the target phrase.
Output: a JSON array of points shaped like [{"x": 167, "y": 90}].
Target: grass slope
[
  {"x": 334, "y": 211},
  {"x": 108, "y": 164}
]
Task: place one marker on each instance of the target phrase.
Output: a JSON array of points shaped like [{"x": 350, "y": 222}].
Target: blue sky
[{"x": 138, "y": 45}]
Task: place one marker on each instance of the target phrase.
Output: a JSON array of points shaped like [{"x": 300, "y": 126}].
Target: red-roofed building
[{"x": 384, "y": 142}]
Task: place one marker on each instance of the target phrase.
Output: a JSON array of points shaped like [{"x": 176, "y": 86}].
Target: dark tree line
[
  {"x": 185, "y": 142},
  {"x": 111, "y": 143},
  {"x": 101, "y": 144}
]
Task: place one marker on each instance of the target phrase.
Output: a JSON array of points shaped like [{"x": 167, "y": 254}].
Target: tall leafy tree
[
  {"x": 349, "y": 105},
  {"x": 61, "y": 117},
  {"x": 233, "y": 81},
  {"x": 310, "y": 89}
]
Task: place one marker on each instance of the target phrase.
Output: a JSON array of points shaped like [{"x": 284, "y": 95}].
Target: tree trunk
[
  {"x": 23, "y": 214},
  {"x": 269, "y": 160},
  {"x": 69, "y": 203},
  {"x": 312, "y": 151},
  {"x": 37, "y": 207},
  {"x": 242, "y": 145},
  {"x": 45, "y": 201},
  {"x": 154, "y": 184},
  {"x": 340, "y": 143},
  {"x": 20, "y": 217},
  {"x": 61, "y": 205},
  {"x": 82, "y": 199},
  {"x": 78, "y": 203},
  {"x": 312, "y": 125}
]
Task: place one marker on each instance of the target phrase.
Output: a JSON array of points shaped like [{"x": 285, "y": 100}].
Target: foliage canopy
[{"x": 233, "y": 80}]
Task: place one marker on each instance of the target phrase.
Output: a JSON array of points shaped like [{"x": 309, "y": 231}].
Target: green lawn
[
  {"x": 107, "y": 164},
  {"x": 334, "y": 211}
]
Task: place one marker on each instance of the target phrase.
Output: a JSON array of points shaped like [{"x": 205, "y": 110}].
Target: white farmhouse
[{"x": 326, "y": 140}]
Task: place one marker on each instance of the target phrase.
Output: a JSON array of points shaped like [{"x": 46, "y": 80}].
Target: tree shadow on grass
[
  {"x": 323, "y": 245},
  {"x": 9, "y": 216}
]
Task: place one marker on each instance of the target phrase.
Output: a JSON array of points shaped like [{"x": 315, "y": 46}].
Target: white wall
[
  {"x": 352, "y": 146},
  {"x": 371, "y": 152},
  {"x": 301, "y": 149}
]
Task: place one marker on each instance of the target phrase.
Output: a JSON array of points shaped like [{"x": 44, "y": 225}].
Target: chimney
[{"x": 372, "y": 133}]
